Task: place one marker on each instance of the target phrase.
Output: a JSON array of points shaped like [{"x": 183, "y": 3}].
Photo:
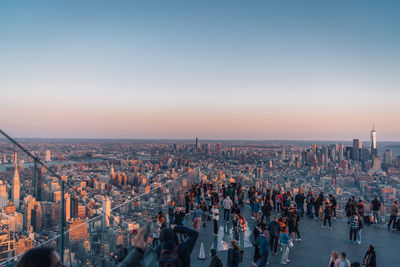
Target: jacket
[
  {"x": 184, "y": 248},
  {"x": 215, "y": 262},
  {"x": 233, "y": 257},
  {"x": 376, "y": 205},
  {"x": 263, "y": 244},
  {"x": 227, "y": 203},
  {"x": 370, "y": 259},
  {"x": 284, "y": 238},
  {"x": 273, "y": 229},
  {"x": 299, "y": 199}
]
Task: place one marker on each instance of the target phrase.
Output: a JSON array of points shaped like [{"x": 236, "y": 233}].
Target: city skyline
[{"x": 259, "y": 71}]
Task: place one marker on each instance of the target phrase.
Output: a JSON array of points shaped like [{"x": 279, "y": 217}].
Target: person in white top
[{"x": 215, "y": 216}]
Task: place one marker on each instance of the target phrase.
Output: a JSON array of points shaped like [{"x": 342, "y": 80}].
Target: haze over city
[{"x": 303, "y": 70}]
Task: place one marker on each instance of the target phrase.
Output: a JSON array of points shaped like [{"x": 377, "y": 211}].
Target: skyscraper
[
  {"x": 48, "y": 155},
  {"x": 387, "y": 158},
  {"x": 374, "y": 151},
  {"x": 355, "y": 155},
  {"x": 3, "y": 195},
  {"x": 15, "y": 192}
]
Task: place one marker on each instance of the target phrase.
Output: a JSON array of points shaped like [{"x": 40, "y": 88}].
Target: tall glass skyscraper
[{"x": 374, "y": 151}]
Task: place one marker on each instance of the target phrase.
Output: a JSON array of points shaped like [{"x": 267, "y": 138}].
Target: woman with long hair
[
  {"x": 233, "y": 254},
  {"x": 334, "y": 261}
]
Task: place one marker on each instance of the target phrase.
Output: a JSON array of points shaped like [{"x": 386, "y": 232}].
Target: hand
[
  {"x": 173, "y": 226},
  {"x": 139, "y": 241}
]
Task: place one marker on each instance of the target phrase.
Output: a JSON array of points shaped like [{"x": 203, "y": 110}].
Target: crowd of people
[{"x": 276, "y": 215}]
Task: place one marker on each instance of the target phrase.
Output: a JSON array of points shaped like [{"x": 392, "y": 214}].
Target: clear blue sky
[{"x": 213, "y": 69}]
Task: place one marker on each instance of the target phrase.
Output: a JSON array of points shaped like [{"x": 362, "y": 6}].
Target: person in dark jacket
[
  {"x": 299, "y": 199},
  {"x": 256, "y": 233},
  {"x": 264, "y": 248},
  {"x": 215, "y": 261},
  {"x": 233, "y": 254},
  {"x": 169, "y": 241},
  {"x": 333, "y": 202},
  {"x": 376, "y": 206},
  {"x": 274, "y": 230},
  {"x": 370, "y": 257}
]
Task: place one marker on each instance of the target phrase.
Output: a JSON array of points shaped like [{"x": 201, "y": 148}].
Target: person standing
[
  {"x": 257, "y": 231},
  {"x": 299, "y": 199},
  {"x": 233, "y": 254},
  {"x": 317, "y": 205},
  {"x": 334, "y": 261},
  {"x": 376, "y": 207},
  {"x": 215, "y": 217},
  {"x": 327, "y": 214},
  {"x": 360, "y": 209},
  {"x": 196, "y": 220},
  {"x": 310, "y": 203},
  {"x": 354, "y": 224},
  {"x": 370, "y": 257},
  {"x": 333, "y": 202},
  {"x": 264, "y": 248},
  {"x": 204, "y": 213},
  {"x": 171, "y": 211},
  {"x": 278, "y": 202},
  {"x": 273, "y": 229},
  {"x": 394, "y": 210},
  {"x": 284, "y": 241},
  {"x": 227, "y": 204}
]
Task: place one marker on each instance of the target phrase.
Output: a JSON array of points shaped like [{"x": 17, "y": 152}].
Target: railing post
[{"x": 62, "y": 224}]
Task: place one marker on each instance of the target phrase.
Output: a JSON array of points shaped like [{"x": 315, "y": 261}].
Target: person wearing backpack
[
  {"x": 234, "y": 254},
  {"x": 257, "y": 231},
  {"x": 171, "y": 252},
  {"x": 327, "y": 214},
  {"x": 215, "y": 261}
]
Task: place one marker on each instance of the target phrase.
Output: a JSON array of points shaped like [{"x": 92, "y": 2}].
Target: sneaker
[
  {"x": 287, "y": 261},
  {"x": 254, "y": 263},
  {"x": 283, "y": 263},
  {"x": 330, "y": 228},
  {"x": 299, "y": 239},
  {"x": 323, "y": 226}
]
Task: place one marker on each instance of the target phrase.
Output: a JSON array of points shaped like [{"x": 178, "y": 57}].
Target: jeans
[
  {"x": 285, "y": 253},
  {"x": 327, "y": 218},
  {"x": 264, "y": 260},
  {"x": 300, "y": 206},
  {"x": 353, "y": 234},
  {"x": 392, "y": 219},
  {"x": 359, "y": 235},
  {"x": 256, "y": 255},
  {"x": 226, "y": 214},
  {"x": 309, "y": 209},
  {"x": 376, "y": 217},
  {"x": 273, "y": 244}
]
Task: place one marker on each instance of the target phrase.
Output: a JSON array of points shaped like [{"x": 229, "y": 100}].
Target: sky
[{"x": 303, "y": 70}]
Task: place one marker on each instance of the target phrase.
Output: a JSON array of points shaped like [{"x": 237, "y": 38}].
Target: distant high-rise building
[
  {"x": 355, "y": 155},
  {"x": 48, "y": 156},
  {"x": 341, "y": 152},
  {"x": 197, "y": 144},
  {"x": 67, "y": 206},
  {"x": 3, "y": 195},
  {"x": 107, "y": 210},
  {"x": 38, "y": 182},
  {"x": 374, "y": 151},
  {"x": 387, "y": 158},
  {"x": 15, "y": 192}
]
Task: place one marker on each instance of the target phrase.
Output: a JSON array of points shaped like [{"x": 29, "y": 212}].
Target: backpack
[
  {"x": 219, "y": 263},
  {"x": 169, "y": 258}
]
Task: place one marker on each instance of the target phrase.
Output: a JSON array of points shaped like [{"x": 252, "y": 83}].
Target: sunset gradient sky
[{"x": 315, "y": 70}]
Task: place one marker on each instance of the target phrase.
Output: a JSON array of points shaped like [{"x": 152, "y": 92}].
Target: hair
[
  {"x": 343, "y": 254},
  {"x": 37, "y": 257},
  {"x": 235, "y": 245},
  {"x": 213, "y": 252},
  {"x": 169, "y": 238},
  {"x": 334, "y": 254}
]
